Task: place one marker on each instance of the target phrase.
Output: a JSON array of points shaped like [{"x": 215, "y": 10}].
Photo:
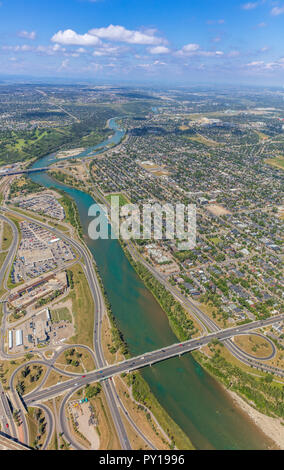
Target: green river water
[{"x": 195, "y": 400}]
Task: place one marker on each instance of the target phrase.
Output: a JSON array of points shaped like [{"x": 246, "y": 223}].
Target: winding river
[{"x": 201, "y": 407}]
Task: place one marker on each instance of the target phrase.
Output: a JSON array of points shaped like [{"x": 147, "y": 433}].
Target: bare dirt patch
[{"x": 216, "y": 209}]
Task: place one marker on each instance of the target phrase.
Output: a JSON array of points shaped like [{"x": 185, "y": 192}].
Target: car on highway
[{"x": 7, "y": 425}]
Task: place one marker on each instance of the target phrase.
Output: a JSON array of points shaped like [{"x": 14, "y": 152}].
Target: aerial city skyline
[{"x": 141, "y": 228}]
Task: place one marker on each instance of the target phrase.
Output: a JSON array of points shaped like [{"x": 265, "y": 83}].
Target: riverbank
[
  {"x": 141, "y": 389},
  {"x": 184, "y": 389},
  {"x": 271, "y": 427}
]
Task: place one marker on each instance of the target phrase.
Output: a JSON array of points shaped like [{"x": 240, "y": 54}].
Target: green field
[
  {"x": 82, "y": 308},
  {"x": 122, "y": 199},
  {"x": 278, "y": 162},
  {"x": 61, "y": 314}
]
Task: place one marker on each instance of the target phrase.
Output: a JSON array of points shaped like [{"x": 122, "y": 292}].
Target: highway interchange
[{"x": 104, "y": 372}]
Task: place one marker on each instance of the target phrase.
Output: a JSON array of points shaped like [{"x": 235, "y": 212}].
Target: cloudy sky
[{"x": 169, "y": 41}]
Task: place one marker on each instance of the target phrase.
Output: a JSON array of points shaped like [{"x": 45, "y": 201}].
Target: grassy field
[
  {"x": 61, "y": 314},
  {"x": 278, "y": 162},
  {"x": 7, "y": 237},
  {"x": 261, "y": 135},
  {"x": 2, "y": 258},
  {"x": 82, "y": 361},
  {"x": 215, "y": 240},
  {"x": 254, "y": 345},
  {"x": 106, "y": 428},
  {"x": 36, "y": 373},
  {"x": 37, "y": 427},
  {"x": 203, "y": 140},
  {"x": 83, "y": 308},
  {"x": 122, "y": 199}
]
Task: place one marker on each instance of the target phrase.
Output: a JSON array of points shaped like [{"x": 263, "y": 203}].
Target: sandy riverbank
[
  {"x": 70, "y": 153},
  {"x": 272, "y": 427}
]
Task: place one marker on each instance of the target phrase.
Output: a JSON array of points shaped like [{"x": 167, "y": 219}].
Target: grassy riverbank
[
  {"x": 71, "y": 211},
  {"x": 141, "y": 390},
  {"x": 182, "y": 326},
  {"x": 260, "y": 391},
  {"x": 264, "y": 394}
]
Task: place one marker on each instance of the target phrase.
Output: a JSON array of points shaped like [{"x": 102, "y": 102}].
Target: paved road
[
  {"x": 147, "y": 359},
  {"x": 19, "y": 172},
  {"x": 6, "y": 415},
  {"x": 50, "y": 424},
  {"x": 135, "y": 363},
  {"x": 12, "y": 248},
  {"x": 206, "y": 323},
  {"x": 98, "y": 315}
]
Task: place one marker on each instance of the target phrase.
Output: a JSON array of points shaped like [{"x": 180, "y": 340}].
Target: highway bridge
[
  {"x": 19, "y": 172},
  {"x": 8, "y": 443},
  {"x": 146, "y": 359}
]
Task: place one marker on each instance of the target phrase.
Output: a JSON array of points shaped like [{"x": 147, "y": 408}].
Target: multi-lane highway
[
  {"x": 206, "y": 323},
  {"x": 147, "y": 359},
  {"x": 98, "y": 315},
  {"x": 104, "y": 372}
]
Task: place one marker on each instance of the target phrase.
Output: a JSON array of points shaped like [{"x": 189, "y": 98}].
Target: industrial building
[
  {"x": 19, "y": 337},
  {"x": 10, "y": 339}
]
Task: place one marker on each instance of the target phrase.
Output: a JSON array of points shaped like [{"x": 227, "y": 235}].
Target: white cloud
[
  {"x": 195, "y": 50},
  {"x": 261, "y": 66},
  {"x": 261, "y": 25},
  {"x": 250, "y": 5},
  {"x": 277, "y": 11},
  {"x": 255, "y": 63},
  {"x": 70, "y": 37},
  {"x": 159, "y": 50},
  {"x": 191, "y": 48},
  {"x": 49, "y": 50},
  {"x": 109, "y": 49},
  {"x": 22, "y": 48},
  {"x": 121, "y": 34},
  {"x": 27, "y": 35}
]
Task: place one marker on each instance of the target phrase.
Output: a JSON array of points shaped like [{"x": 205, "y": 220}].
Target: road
[
  {"x": 105, "y": 371},
  {"x": 205, "y": 322},
  {"x": 6, "y": 417},
  {"x": 98, "y": 315},
  {"x": 147, "y": 359}
]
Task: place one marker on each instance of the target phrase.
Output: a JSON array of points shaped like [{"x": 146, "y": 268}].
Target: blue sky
[{"x": 170, "y": 41}]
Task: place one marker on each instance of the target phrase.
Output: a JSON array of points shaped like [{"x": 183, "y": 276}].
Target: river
[{"x": 195, "y": 400}]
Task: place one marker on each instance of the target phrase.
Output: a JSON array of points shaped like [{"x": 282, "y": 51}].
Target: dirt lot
[
  {"x": 82, "y": 415},
  {"x": 216, "y": 209}
]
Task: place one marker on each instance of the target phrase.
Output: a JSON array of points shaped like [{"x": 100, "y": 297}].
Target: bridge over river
[
  {"x": 20, "y": 172},
  {"x": 148, "y": 359}
]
